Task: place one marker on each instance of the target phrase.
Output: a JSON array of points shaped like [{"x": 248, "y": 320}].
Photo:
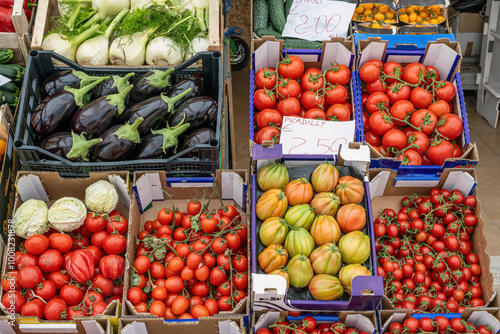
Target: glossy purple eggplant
[
  {"x": 118, "y": 143},
  {"x": 160, "y": 143},
  {"x": 56, "y": 110},
  {"x": 198, "y": 112},
  {"x": 69, "y": 145},
  {"x": 97, "y": 116},
  {"x": 153, "y": 110},
  {"x": 57, "y": 81},
  {"x": 200, "y": 136},
  {"x": 113, "y": 85},
  {"x": 150, "y": 84},
  {"x": 194, "y": 83}
]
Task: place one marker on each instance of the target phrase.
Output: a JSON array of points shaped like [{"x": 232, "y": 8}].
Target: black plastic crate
[{"x": 206, "y": 65}]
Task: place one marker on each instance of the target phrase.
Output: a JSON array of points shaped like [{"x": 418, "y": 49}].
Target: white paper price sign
[
  {"x": 312, "y": 136},
  {"x": 318, "y": 20}
]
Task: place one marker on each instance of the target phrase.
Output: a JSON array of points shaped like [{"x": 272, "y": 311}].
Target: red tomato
[
  {"x": 54, "y": 309},
  {"x": 117, "y": 223},
  {"x": 112, "y": 266},
  {"x": 95, "y": 222},
  {"x": 71, "y": 294},
  {"x": 268, "y": 117},
  {"x": 377, "y": 102},
  {"x": 394, "y": 138},
  {"x": 445, "y": 91},
  {"x": 438, "y": 153},
  {"x": 289, "y": 107},
  {"x": 338, "y": 112},
  {"x": 400, "y": 110},
  {"x": 33, "y": 308},
  {"x": 338, "y": 74},
  {"x": 397, "y": 92},
  {"x": 419, "y": 139},
  {"x": 393, "y": 70},
  {"x": 440, "y": 108},
  {"x": 311, "y": 100},
  {"x": 413, "y": 73},
  {"x": 315, "y": 114},
  {"x": 432, "y": 73},
  {"x": 369, "y": 72},
  {"x": 312, "y": 81},
  {"x": 114, "y": 244},
  {"x": 377, "y": 86},
  {"x": 36, "y": 244},
  {"x": 29, "y": 277},
  {"x": 380, "y": 123},
  {"x": 291, "y": 67},
  {"x": 264, "y": 99},
  {"x": 420, "y": 98},
  {"x": 288, "y": 88},
  {"x": 424, "y": 119},
  {"x": 335, "y": 94},
  {"x": 410, "y": 157},
  {"x": 266, "y": 77},
  {"x": 267, "y": 133},
  {"x": 50, "y": 261},
  {"x": 372, "y": 139},
  {"x": 450, "y": 126}
]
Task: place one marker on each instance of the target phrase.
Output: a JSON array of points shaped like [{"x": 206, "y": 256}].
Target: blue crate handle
[{"x": 233, "y": 31}]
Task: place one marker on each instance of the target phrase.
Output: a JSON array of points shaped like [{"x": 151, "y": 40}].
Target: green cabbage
[
  {"x": 31, "y": 218},
  {"x": 67, "y": 214},
  {"x": 101, "y": 197}
]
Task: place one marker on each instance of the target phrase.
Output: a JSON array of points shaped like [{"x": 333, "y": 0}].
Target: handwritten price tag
[
  {"x": 318, "y": 20},
  {"x": 311, "y": 136}
]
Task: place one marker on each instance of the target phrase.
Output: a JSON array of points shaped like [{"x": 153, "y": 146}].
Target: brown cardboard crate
[
  {"x": 56, "y": 187},
  {"x": 391, "y": 198},
  {"x": 48, "y": 8},
  {"x": 149, "y": 204},
  {"x": 212, "y": 325}
]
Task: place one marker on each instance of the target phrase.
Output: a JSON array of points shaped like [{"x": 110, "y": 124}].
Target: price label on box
[
  {"x": 318, "y": 20},
  {"x": 315, "y": 136}
]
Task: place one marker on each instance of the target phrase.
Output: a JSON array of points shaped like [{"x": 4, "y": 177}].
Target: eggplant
[
  {"x": 194, "y": 83},
  {"x": 159, "y": 143},
  {"x": 200, "y": 136},
  {"x": 153, "y": 110},
  {"x": 69, "y": 145},
  {"x": 96, "y": 117},
  {"x": 118, "y": 143},
  {"x": 113, "y": 85},
  {"x": 57, "y": 81},
  {"x": 150, "y": 84},
  {"x": 198, "y": 111},
  {"x": 55, "y": 110}
]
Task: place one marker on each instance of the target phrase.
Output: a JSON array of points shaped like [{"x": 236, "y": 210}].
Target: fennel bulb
[
  {"x": 187, "y": 5},
  {"x": 130, "y": 49},
  {"x": 94, "y": 51},
  {"x": 67, "y": 46},
  {"x": 163, "y": 51},
  {"x": 198, "y": 44},
  {"x": 141, "y": 4},
  {"x": 201, "y": 6}
]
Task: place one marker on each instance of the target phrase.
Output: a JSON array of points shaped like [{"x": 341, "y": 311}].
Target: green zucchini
[
  {"x": 277, "y": 14},
  {"x": 12, "y": 71},
  {"x": 6, "y": 55},
  {"x": 10, "y": 87},
  {"x": 260, "y": 14},
  {"x": 9, "y": 98},
  {"x": 288, "y": 6},
  {"x": 295, "y": 43}
]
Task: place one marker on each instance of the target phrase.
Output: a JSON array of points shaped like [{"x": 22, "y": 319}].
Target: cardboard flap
[
  {"x": 148, "y": 189},
  {"x": 49, "y": 328},
  {"x": 480, "y": 318},
  {"x": 267, "y": 320},
  {"x": 378, "y": 184},
  {"x": 417, "y": 180},
  {"x": 121, "y": 187},
  {"x": 268, "y": 291},
  {"x": 336, "y": 53},
  {"x": 374, "y": 50},
  {"x": 267, "y": 55},
  {"x": 93, "y": 327},
  {"x": 233, "y": 188},
  {"x": 135, "y": 328},
  {"x": 357, "y": 157},
  {"x": 442, "y": 57},
  {"x": 396, "y": 317},
  {"x": 359, "y": 322},
  {"x": 30, "y": 187},
  {"x": 227, "y": 327},
  {"x": 460, "y": 180},
  {"x": 6, "y": 327}
]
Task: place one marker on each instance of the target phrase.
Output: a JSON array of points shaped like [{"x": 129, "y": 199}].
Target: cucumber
[
  {"x": 260, "y": 14},
  {"x": 6, "y": 55},
  {"x": 10, "y": 87},
  {"x": 9, "y": 98},
  {"x": 277, "y": 14},
  {"x": 294, "y": 43},
  {"x": 288, "y": 6},
  {"x": 12, "y": 71},
  {"x": 268, "y": 31}
]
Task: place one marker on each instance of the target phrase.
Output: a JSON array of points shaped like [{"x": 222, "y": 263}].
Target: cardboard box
[
  {"x": 446, "y": 57},
  {"x": 468, "y": 28},
  {"x": 49, "y": 187},
  {"x": 46, "y": 9},
  {"x": 477, "y": 318},
  {"x": 387, "y": 189},
  {"x": 362, "y": 321},
  {"x": 9, "y": 166},
  {"x": 214, "y": 325},
  {"x": 80, "y": 326},
  {"x": 269, "y": 291},
  {"x": 268, "y": 51},
  {"x": 18, "y": 41},
  {"x": 150, "y": 198}
]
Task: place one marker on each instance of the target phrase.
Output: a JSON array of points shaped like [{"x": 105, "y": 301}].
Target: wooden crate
[
  {"x": 48, "y": 8},
  {"x": 18, "y": 41}
]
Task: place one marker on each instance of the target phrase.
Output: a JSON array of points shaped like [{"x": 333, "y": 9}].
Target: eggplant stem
[
  {"x": 121, "y": 82},
  {"x": 81, "y": 146},
  {"x": 118, "y": 100},
  {"x": 170, "y": 136},
  {"x": 129, "y": 131},
  {"x": 80, "y": 93},
  {"x": 170, "y": 101}
]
